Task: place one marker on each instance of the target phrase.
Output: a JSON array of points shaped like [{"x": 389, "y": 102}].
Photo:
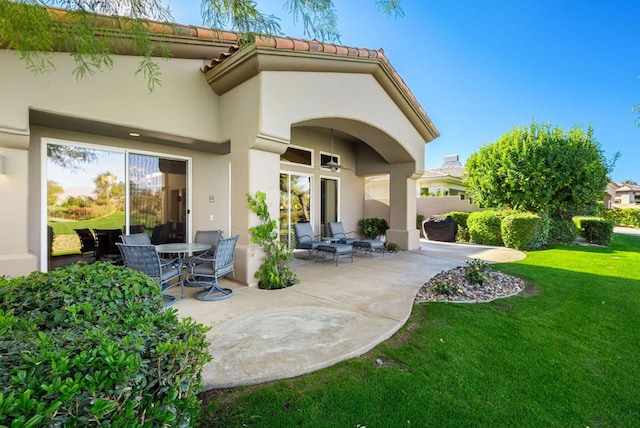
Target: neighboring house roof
[
  {"x": 621, "y": 188},
  {"x": 227, "y": 45},
  {"x": 628, "y": 188},
  {"x": 450, "y": 168}
]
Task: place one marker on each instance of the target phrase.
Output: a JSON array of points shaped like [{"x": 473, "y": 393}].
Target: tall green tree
[
  {"x": 541, "y": 169},
  {"x": 54, "y": 190},
  {"x": 109, "y": 191},
  {"x": 35, "y": 32}
]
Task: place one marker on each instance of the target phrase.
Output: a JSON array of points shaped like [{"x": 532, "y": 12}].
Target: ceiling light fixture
[{"x": 134, "y": 134}]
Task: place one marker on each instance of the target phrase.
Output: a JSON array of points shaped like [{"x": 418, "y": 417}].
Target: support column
[
  {"x": 256, "y": 169},
  {"x": 402, "y": 207},
  {"x": 15, "y": 258}
]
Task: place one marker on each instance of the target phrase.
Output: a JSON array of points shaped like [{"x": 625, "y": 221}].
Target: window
[
  {"x": 297, "y": 156},
  {"x": 295, "y": 203},
  {"x": 325, "y": 158}
]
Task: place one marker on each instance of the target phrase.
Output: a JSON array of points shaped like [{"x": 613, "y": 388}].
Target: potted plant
[
  {"x": 274, "y": 272},
  {"x": 373, "y": 227}
]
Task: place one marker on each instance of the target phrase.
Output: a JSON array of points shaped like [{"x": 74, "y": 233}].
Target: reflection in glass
[{"x": 295, "y": 201}]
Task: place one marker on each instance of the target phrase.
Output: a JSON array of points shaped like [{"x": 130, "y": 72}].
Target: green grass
[
  {"x": 112, "y": 221},
  {"x": 562, "y": 354}
]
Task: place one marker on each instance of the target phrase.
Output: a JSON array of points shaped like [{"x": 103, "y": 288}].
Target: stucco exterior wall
[
  {"x": 355, "y": 97},
  {"x": 444, "y": 204},
  {"x": 183, "y": 105},
  {"x": 351, "y": 187}
]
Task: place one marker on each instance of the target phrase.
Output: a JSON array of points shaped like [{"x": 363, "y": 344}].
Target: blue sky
[{"x": 481, "y": 68}]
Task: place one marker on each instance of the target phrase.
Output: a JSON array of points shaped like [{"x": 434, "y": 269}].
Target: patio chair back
[
  {"x": 223, "y": 262},
  {"x": 136, "y": 239},
  {"x": 336, "y": 230},
  {"x": 211, "y": 237},
  {"x": 304, "y": 235},
  {"x": 207, "y": 274},
  {"x": 145, "y": 259},
  {"x": 87, "y": 242},
  {"x": 305, "y": 239}
]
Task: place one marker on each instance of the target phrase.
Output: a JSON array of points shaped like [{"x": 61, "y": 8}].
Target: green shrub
[
  {"x": 372, "y": 227},
  {"x": 523, "y": 231},
  {"x": 595, "y": 230},
  {"x": 274, "y": 272},
  {"x": 460, "y": 217},
  {"x": 623, "y": 216},
  {"x": 446, "y": 288},
  {"x": 562, "y": 231},
  {"x": 419, "y": 220},
  {"x": 484, "y": 227},
  {"x": 89, "y": 345},
  {"x": 476, "y": 272}
]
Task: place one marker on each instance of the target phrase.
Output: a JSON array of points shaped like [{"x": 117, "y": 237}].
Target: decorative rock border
[{"x": 497, "y": 286}]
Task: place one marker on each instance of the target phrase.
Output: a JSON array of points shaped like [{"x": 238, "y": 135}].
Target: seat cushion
[
  {"x": 372, "y": 244},
  {"x": 335, "y": 248}
]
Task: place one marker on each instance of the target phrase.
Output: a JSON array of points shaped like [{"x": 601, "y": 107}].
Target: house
[
  {"x": 447, "y": 180},
  {"x": 225, "y": 122},
  {"x": 622, "y": 195},
  {"x": 438, "y": 191}
]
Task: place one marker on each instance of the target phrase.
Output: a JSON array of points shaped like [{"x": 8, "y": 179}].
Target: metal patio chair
[
  {"x": 206, "y": 273},
  {"x": 145, "y": 259},
  {"x": 305, "y": 239},
  {"x": 336, "y": 230}
]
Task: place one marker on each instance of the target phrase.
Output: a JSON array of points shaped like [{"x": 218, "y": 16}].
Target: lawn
[
  {"x": 114, "y": 220},
  {"x": 562, "y": 354}
]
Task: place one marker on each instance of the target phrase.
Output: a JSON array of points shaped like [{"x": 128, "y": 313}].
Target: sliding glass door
[
  {"x": 158, "y": 197},
  {"x": 110, "y": 192}
]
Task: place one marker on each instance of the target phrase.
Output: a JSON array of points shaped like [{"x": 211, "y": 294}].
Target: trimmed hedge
[
  {"x": 562, "y": 231},
  {"x": 523, "y": 231},
  {"x": 595, "y": 230},
  {"x": 89, "y": 345},
  {"x": 484, "y": 227},
  {"x": 623, "y": 216},
  {"x": 460, "y": 217}
]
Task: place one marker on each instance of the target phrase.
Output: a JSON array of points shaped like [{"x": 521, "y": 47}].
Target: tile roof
[
  {"x": 232, "y": 39},
  {"x": 315, "y": 46}
]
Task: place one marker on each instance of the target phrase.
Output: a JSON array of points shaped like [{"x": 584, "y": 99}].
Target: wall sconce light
[{"x": 1, "y": 164}]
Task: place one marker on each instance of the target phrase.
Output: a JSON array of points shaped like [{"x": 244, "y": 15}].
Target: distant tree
[
  {"x": 35, "y": 32},
  {"x": 629, "y": 181},
  {"x": 540, "y": 169},
  {"x": 109, "y": 191},
  {"x": 54, "y": 190}
]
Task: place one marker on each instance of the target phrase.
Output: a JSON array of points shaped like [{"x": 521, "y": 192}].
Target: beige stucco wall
[
  {"x": 444, "y": 204},
  {"x": 356, "y": 98},
  {"x": 183, "y": 105}
]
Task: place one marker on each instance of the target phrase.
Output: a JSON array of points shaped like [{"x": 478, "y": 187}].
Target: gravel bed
[{"x": 498, "y": 285}]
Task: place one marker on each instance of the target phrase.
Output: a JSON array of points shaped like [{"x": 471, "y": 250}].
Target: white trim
[{"x": 338, "y": 188}]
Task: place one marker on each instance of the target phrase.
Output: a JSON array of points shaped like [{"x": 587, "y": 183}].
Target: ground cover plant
[
  {"x": 561, "y": 353},
  {"x": 89, "y": 345}
]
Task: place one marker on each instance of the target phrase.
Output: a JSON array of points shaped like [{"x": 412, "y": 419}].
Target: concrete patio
[{"x": 333, "y": 314}]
